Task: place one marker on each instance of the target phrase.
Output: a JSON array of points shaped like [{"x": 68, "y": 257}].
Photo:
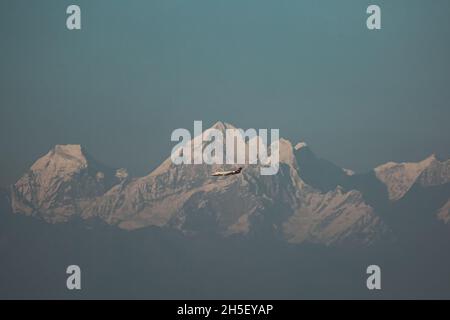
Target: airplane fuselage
[{"x": 226, "y": 173}]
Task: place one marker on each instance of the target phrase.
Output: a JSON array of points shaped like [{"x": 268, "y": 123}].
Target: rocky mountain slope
[{"x": 309, "y": 200}]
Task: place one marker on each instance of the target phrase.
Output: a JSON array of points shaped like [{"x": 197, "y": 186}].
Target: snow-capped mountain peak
[
  {"x": 63, "y": 159},
  {"x": 308, "y": 200},
  {"x": 222, "y": 126},
  {"x": 399, "y": 177},
  {"x": 58, "y": 182}
]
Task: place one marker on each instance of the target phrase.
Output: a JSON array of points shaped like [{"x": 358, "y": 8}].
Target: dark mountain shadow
[
  {"x": 5, "y": 211},
  {"x": 319, "y": 173},
  {"x": 326, "y": 176},
  {"x": 374, "y": 192},
  {"x": 95, "y": 166},
  {"x": 267, "y": 224},
  {"x": 412, "y": 218},
  {"x": 415, "y": 214}
]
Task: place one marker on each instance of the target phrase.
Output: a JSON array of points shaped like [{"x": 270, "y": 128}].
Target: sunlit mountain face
[
  {"x": 179, "y": 232},
  {"x": 310, "y": 200}
]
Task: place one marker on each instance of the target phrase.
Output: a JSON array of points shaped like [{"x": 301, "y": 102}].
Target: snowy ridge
[
  {"x": 399, "y": 177},
  {"x": 66, "y": 182}
]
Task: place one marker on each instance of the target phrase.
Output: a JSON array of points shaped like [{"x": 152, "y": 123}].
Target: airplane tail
[{"x": 239, "y": 170}]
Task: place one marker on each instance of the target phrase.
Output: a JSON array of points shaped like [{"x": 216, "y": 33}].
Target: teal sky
[{"x": 139, "y": 69}]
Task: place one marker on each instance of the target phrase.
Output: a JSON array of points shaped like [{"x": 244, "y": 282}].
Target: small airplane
[{"x": 227, "y": 173}]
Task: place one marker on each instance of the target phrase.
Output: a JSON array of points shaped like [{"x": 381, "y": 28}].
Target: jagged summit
[
  {"x": 309, "y": 200},
  {"x": 63, "y": 158},
  {"x": 222, "y": 126},
  {"x": 185, "y": 197},
  {"x": 419, "y": 165},
  {"x": 68, "y": 149},
  {"x": 399, "y": 177},
  {"x": 58, "y": 183}
]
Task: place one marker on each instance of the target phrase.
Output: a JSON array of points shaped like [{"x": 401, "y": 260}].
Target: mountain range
[{"x": 310, "y": 200}]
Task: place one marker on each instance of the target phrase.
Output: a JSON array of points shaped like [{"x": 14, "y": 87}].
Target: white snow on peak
[
  {"x": 410, "y": 165},
  {"x": 122, "y": 173},
  {"x": 220, "y": 125},
  {"x": 285, "y": 146},
  {"x": 61, "y": 159},
  {"x": 411, "y": 168},
  {"x": 349, "y": 172},
  {"x": 399, "y": 177},
  {"x": 286, "y": 152},
  {"x": 300, "y": 145}
]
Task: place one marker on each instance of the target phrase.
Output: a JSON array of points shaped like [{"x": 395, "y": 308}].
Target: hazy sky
[{"x": 139, "y": 69}]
